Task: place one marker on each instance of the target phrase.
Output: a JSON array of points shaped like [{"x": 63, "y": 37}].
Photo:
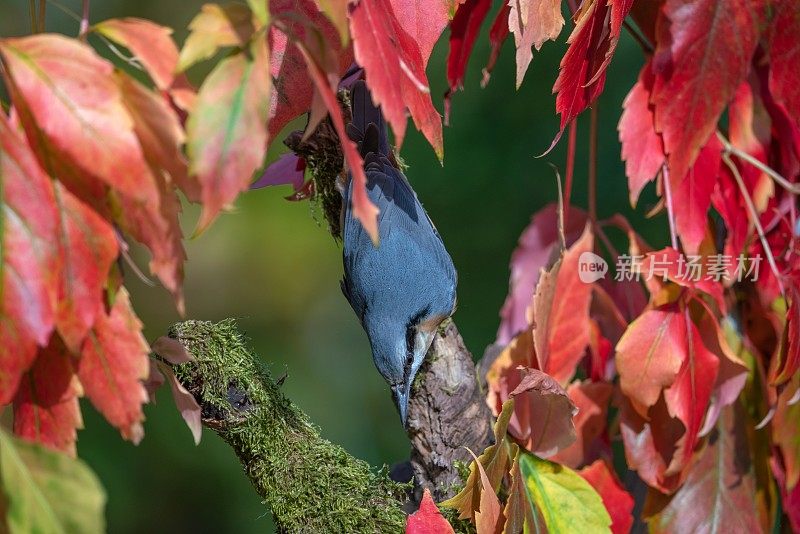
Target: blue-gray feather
[{"x": 409, "y": 278}]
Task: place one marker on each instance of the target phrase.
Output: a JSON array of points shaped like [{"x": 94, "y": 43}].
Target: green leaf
[
  {"x": 259, "y": 8},
  {"x": 565, "y": 501},
  {"x": 47, "y": 492}
]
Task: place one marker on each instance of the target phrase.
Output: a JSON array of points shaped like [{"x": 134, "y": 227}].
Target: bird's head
[{"x": 398, "y": 349}]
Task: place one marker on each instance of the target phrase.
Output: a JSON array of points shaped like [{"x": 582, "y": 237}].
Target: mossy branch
[{"x": 309, "y": 483}]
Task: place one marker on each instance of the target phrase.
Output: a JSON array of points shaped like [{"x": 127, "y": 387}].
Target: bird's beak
[{"x": 401, "y": 393}]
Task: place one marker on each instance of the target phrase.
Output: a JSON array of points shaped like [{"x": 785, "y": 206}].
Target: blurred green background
[{"x": 272, "y": 264}]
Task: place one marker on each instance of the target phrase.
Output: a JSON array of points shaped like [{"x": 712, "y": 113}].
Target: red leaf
[
  {"x": 157, "y": 225},
  {"x": 87, "y": 136},
  {"x": 732, "y": 375},
  {"x": 645, "y": 15},
  {"x": 375, "y": 44},
  {"x": 497, "y": 36},
  {"x": 417, "y": 98},
  {"x": 542, "y": 414},
  {"x": 113, "y": 366},
  {"x": 703, "y": 52},
  {"x": 784, "y": 56},
  {"x": 642, "y": 148},
  {"x": 423, "y": 21},
  {"x": 427, "y": 519},
  {"x": 533, "y": 22},
  {"x": 227, "y": 129},
  {"x": 663, "y": 351},
  {"x": 650, "y": 355},
  {"x": 364, "y": 210},
  {"x": 670, "y": 264},
  {"x": 88, "y": 246},
  {"x": 650, "y": 445},
  {"x": 533, "y": 253},
  {"x": 617, "y": 501},
  {"x": 591, "y": 400},
  {"x": 160, "y": 133},
  {"x": 619, "y": 10},
  {"x": 720, "y": 489},
  {"x": 46, "y": 406},
  {"x": 579, "y": 83},
  {"x": 394, "y": 67},
  {"x": 74, "y": 117},
  {"x": 746, "y": 114},
  {"x": 692, "y": 195},
  {"x": 150, "y": 43},
  {"x": 688, "y": 396},
  {"x": 464, "y": 30},
  {"x": 561, "y": 313},
  {"x": 293, "y": 89},
  {"x": 30, "y": 261}
]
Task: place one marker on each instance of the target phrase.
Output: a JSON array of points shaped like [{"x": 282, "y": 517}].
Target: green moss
[{"x": 310, "y": 484}]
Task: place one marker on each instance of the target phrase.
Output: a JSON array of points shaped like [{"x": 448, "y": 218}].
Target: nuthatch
[{"x": 403, "y": 288}]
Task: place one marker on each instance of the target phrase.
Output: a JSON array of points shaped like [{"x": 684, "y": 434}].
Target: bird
[{"x": 404, "y": 287}]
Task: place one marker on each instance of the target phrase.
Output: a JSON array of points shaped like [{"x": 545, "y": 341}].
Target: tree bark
[{"x": 447, "y": 412}]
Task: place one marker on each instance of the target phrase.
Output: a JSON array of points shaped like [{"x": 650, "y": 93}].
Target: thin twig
[
  {"x": 754, "y": 217},
  {"x": 647, "y": 48},
  {"x": 593, "y": 163},
  {"x": 670, "y": 210},
  {"x": 599, "y": 232},
  {"x": 573, "y": 129},
  {"x": 132, "y": 61},
  {"x": 42, "y": 14},
  {"x": 84, "y": 20},
  {"x": 32, "y": 12},
  {"x": 64, "y": 9},
  {"x": 772, "y": 173}
]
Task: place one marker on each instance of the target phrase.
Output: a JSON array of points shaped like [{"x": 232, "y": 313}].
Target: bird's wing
[{"x": 403, "y": 225}]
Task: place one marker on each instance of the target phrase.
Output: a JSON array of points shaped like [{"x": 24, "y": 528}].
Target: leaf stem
[
  {"x": 754, "y": 217},
  {"x": 670, "y": 209}
]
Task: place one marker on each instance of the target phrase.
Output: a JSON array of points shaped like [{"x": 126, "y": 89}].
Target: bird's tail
[{"x": 367, "y": 127}]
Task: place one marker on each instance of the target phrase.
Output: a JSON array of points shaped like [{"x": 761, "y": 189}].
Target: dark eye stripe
[{"x": 411, "y": 334}]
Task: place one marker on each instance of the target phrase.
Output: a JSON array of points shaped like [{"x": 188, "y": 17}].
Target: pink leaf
[{"x": 642, "y": 148}]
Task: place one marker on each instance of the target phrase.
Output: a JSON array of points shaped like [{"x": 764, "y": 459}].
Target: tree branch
[{"x": 310, "y": 484}]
